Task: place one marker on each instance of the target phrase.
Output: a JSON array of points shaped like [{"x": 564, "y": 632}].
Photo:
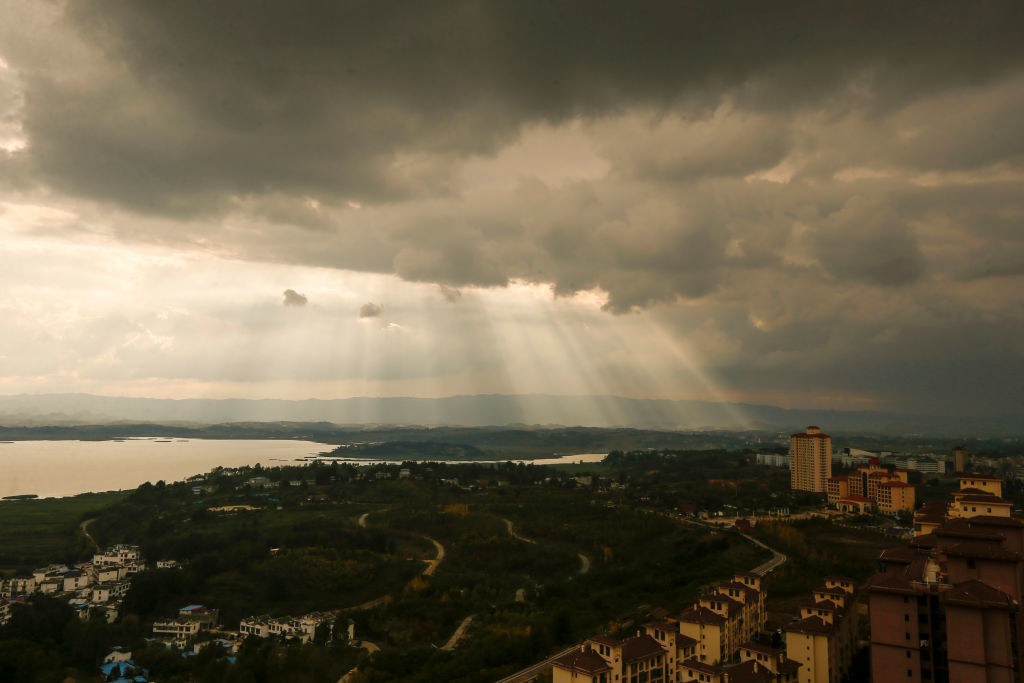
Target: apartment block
[
  {"x": 823, "y": 639},
  {"x": 810, "y": 460},
  {"x": 872, "y": 486},
  {"x": 946, "y": 607}
]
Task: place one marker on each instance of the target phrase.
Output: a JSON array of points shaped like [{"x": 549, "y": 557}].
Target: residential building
[
  {"x": 823, "y": 639},
  {"x": 960, "y": 459},
  {"x": 772, "y": 459},
  {"x": 872, "y": 485},
  {"x": 632, "y": 660},
  {"x": 729, "y": 615},
  {"x": 811, "y": 460},
  {"x": 256, "y": 626},
  {"x": 204, "y": 616},
  {"x": 581, "y": 666},
  {"x": 979, "y": 494},
  {"x": 118, "y": 555},
  {"x": 685, "y": 648},
  {"x": 176, "y": 628},
  {"x": 303, "y": 628},
  {"x": 5, "y": 611},
  {"x": 946, "y": 607},
  {"x": 757, "y": 663}
]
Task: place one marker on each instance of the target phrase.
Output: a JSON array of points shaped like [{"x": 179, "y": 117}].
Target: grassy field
[{"x": 37, "y": 532}]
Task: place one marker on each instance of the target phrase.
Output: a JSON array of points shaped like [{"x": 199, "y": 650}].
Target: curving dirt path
[
  {"x": 427, "y": 571},
  {"x": 515, "y": 534},
  {"x": 84, "y": 527},
  {"x": 584, "y": 560}
]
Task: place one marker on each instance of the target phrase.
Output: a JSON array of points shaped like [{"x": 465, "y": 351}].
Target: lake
[{"x": 66, "y": 468}]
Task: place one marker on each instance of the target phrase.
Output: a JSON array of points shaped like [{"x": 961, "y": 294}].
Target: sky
[{"x": 799, "y": 204}]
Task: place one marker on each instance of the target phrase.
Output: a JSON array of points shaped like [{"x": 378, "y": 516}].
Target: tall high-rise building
[
  {"x": 810, "y": 460},
  {"x": 960, "y": 459}
]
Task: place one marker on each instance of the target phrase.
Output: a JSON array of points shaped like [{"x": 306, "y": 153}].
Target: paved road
[
  {"x": 459, "y": 632},
  {"x": 778, "y": 559},
  {"x": 529, "y": 673}
]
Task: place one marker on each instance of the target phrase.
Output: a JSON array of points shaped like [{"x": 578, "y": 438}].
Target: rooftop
[
  {"x": 812, "y": 625},
  {"x": 584, "y": 661},
  {"x": 640, "y": 647}
]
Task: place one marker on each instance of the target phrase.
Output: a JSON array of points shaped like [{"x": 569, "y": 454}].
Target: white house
[
  {"x": 118, "y": 654},
  {"x": 255, "y": 626},
  {"x": 176, "y": 628}
]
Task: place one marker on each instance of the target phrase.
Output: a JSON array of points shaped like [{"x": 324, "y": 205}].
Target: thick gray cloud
[
  {"x": 800, "y": 175},
  {"x": 371, "y": 310},
  {"x": 293, "y": 298}
]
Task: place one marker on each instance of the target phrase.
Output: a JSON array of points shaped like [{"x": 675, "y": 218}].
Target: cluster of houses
[
  {"x": 302, "y": 628},
  {"x": 714, "y": 641},
  {"x": 183, "y": 628},
  {"x": 97, "y": 586}
]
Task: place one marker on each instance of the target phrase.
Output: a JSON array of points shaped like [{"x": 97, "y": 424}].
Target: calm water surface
[{"x": 66, "y": 468}]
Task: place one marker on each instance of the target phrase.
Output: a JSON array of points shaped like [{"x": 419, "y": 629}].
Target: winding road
[
  {"x": 584, "y": 560},
  {"x": 459, "y": 632}
]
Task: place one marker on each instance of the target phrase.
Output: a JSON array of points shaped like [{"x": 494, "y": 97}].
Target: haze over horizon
[{"x": 810, "y": 208}]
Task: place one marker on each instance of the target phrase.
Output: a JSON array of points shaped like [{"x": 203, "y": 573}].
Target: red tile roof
[
  {"x": 701, "y": 615},
  {"x": 748, "y": 672},
  {"x": 763, "y": 649},
  {"x": 640, "y": 647},
  {"x": 980, "y": 477},
  {"x": 584, "y": 661},
  {"x": 975, "y": 593},
  {"x": 900, "y": 554},
  {"x": 813, "y": 436},
  {"x": 813, "y": 625}
]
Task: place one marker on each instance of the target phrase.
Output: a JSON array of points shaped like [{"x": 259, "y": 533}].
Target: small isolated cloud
[
  {"x": 450, "y": 294},
  {"x": 293, "y": 298},
  {"x": 370, "y": 310}
]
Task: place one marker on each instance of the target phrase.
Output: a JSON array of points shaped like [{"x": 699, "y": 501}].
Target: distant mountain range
[{"x": 489, "y": 410}]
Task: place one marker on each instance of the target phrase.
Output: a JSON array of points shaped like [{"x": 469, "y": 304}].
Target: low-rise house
[
  {"x": 5, "y": 611},
  {"x": 256, "y": 626},
  {"x": 304, "y": 628},
  {"x": 167, "y": 564},
  {"x": 118, "y": 654},
  {"x": 179, "y": 628},
  {"x": 204, "y": 616},
  {"x": 118, "y": 554},
  {"x": 107, "y": 573},
  {"x": 40, "y": 575},
  {"x": 18, "y": 585},
  {"x": 106, "y": 592}
]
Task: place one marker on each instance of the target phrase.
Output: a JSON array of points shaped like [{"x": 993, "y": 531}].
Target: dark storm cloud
[
  {"x": 822, "y": 180},
  {"x": 293, "y": 298},
  {"x": 326, "y": 97},
  {"x": 371, "y": 310}
]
